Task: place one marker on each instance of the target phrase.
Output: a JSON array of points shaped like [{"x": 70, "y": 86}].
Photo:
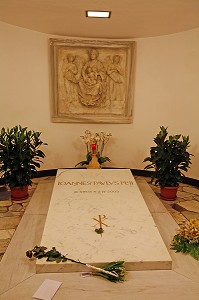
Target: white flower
[{"x": 98, "y": 138}]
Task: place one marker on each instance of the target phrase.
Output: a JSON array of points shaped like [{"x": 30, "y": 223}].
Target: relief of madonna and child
[{"x": 92, "y": 81}]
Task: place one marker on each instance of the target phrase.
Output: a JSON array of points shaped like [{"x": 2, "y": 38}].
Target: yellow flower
[{"x": 190, "y": 231}]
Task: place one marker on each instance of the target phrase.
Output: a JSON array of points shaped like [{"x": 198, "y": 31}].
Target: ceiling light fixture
[{"x": 98, "y": 14}]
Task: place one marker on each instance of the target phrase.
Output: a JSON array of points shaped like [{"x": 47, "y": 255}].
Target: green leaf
[
  {"x": 50, "y": 258},
  {"x": 64, "y": 259},
  {"x": 99, "y": 230},
  {"x": 181, "y": 244},
  {"x": 59, "y": 259}
]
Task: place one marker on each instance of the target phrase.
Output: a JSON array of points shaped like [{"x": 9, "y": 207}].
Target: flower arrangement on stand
[
  {"x": 187, "y": 240},
  {"x": 95, "y": 141}
]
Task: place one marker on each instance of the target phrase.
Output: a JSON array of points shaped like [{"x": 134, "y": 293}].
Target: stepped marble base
[{"x": 79, "y": 197}]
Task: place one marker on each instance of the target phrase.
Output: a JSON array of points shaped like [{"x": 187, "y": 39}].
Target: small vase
[{"x": 94, "y": 164}]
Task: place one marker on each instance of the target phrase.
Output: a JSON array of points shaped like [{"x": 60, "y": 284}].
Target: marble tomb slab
[{"x": 79, "y": 197}]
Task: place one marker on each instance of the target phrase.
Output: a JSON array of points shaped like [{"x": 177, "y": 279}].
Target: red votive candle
[{"x": 93, "y": 146}]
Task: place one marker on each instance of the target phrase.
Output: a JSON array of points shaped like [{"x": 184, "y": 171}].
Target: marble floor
[
  {"x": 21, "y": 227},
  {"x": 11, "y": 213},
  {"x": 185, "y": 207}
]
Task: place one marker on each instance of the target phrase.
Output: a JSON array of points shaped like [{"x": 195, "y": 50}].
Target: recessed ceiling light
[{"x": 98, "y": 14}]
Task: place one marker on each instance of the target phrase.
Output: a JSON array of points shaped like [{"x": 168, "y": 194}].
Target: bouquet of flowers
[
  {"x": 99, "y": 139},
  {"x": 113, "y": 271},
  {"x": 187, "y": 240}
]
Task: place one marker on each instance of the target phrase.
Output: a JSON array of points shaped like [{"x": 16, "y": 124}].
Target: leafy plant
[
  {"x": 169, "y": 158},
  {"x": 113, "y": 271},
  {"x": 101, "y": 159},
  {"x": 187, "y": 240},
  {"x": 19, "y": 155}
]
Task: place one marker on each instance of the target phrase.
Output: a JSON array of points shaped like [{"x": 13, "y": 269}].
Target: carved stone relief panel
[{"x": 92, "y": 81}]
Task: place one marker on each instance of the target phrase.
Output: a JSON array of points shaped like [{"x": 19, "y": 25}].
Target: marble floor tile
[
  {"x": 16, "y": 207},
  {"x": 190, "y": 214},
  {"x": 191, "y": 190},
  {"x": 5, "y": 234},
  {"x": 4, "y": 193},
  {"x": 184, "y": 195},
  {"x": 3, "y": 245},
  {"x": 9, "y": 222},
  {"x": 5, "y": 205},
  {"x": 191, "y": 205},
  {"x": 196, "y": 198}
]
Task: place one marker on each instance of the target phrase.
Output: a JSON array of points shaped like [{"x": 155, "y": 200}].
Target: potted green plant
[
  {"x": 169, "y": 158},
  {"x": 19, "y": 157}
]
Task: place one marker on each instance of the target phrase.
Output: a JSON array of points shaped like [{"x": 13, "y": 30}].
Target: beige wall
[{"x": 166, "y": 93}]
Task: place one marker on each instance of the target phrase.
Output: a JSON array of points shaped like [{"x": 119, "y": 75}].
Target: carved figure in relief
[
  {"x": 115, "y": 81},
  {"x": 70, "y": 71},
  {"x": 92, "y": 84},
  {"x": 91, "y": 76}
]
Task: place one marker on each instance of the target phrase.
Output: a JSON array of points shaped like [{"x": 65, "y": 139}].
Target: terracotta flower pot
[
  {"x": 18, "y": 193},
  {"x": 168, "y": 192}
]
